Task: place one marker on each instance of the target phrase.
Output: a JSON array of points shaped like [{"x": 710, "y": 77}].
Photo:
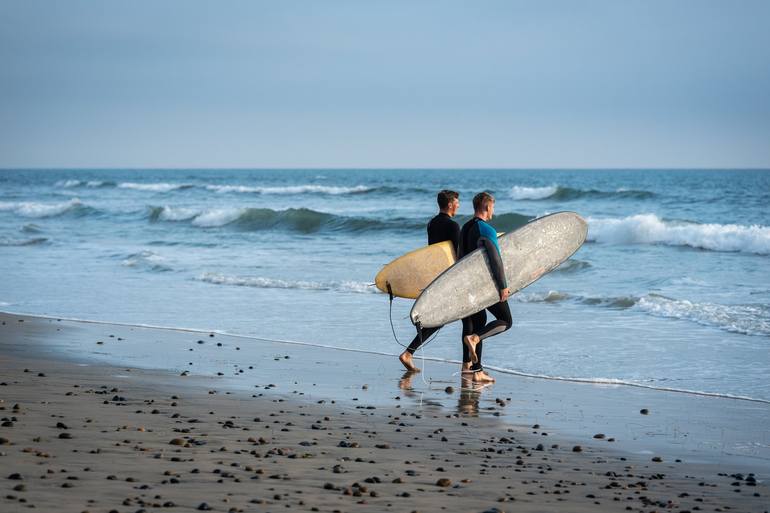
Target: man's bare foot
[
  {"x": 406, "y": 359},
  {"x": 470, "y": 342},
  {"x": 482, "y": 377},
  {"x": 466, "y": 368}
]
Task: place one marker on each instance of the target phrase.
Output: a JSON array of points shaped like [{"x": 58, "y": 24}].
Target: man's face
[
  {"x": 453, "y": 206},
  {"x": 491, "y": 208}
]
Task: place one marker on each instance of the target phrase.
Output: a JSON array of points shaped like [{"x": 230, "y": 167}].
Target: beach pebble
[
  {"x": 4, "y": 441},
  {"x": 577, "y": 448},
  {"x": 15, "y": 476},
  {"x": 444, "y": 482},
  {"x": 449, "y": 390},
  {"x": 203, "y": 506},
  {"x": 65, "y": 436},
  {"x": 644, "y": 411},
  {"x": 657, "y": 459},
  {"x": 61, "y": 425},
  {"x": 177, "y": 441},
  {"x": 599, "y": 436}
]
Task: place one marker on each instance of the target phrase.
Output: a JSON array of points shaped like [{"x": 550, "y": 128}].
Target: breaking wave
[
  {"x": 69, "y": 184},
  {"x": 746, "y": 319},
  {"x": 247, "y": 189},
  {"x": 301, "y": 220},
  {"x": 272, "y": 283},
  {"x": 41, "y": 210},
  {"x": 147, "y": 260},
  {"x": 750, "y": 319},
  {"x": 154, "y": 187},
  {"x": 650, "y": 229},
  {"x": 296, "y": 189},
  {"x": 556, "y": 192}
]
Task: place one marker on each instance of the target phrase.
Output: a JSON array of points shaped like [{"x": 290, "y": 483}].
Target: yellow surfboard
[{"x": 412, "y": 272}]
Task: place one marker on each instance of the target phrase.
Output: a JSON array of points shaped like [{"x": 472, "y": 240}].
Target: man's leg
[
  {"x": 471, "y": 343},
  {"x": 418, "y": 340},
  {"x": 502, "y": 322}
]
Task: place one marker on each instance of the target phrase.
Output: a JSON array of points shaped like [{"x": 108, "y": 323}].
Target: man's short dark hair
[
  {"x": 481, "y": 199},
  {"x": 445, "y": 197}
]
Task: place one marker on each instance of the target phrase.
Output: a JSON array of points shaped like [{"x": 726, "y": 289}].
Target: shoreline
[
  {"x": 313, "y": 449},
  {"x": 502, "y": 370}
]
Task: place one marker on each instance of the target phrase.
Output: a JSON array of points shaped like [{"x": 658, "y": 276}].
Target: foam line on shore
[{"x": 588, "y": 381}]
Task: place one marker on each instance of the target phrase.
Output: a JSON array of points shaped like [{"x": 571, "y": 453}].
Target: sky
[{"x": 379, "y": 84}]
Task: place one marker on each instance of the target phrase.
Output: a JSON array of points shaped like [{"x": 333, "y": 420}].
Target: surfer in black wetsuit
[
  {"x": 476, "y": 233},
  {"x": 440, "y": 229}
]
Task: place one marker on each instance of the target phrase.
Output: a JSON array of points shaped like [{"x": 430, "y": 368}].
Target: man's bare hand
[{"x": 505, "y": 294}]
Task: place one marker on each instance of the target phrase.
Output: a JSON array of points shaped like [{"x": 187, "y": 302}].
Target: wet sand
[{"x": 82, "y": 435}]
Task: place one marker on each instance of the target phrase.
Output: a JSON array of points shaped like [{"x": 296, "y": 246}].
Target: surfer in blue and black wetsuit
[
  {"x": 440, "y": 229},
  {"x": 477, "y": 233}
]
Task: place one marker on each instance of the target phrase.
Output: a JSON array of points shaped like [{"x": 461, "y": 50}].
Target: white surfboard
[{"x": 527, "y": 253}]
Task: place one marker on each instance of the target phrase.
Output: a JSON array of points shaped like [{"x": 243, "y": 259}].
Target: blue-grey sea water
[{"x": 672, "y": 289}]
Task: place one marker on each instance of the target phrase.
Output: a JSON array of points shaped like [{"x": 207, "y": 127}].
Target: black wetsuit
[
  {"x": 478, "y": 234},
  {"x": 440, "y": 228}
]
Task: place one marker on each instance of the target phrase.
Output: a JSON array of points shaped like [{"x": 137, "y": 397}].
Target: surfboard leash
[{"x": 393, "y": 329}]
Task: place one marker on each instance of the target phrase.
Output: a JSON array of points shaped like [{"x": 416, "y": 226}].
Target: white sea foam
[
  {"x": 650, "y": 229},
  {"x": 217, "y": 217},
  {"x": 290, "y": 189},
  {"x": 68, "y": 183},
  {"x": 533, "y": 193},
  {"x": 147, "y": 260},
  {"x": 153, "y": 187},
  {"x": 177, "y": 213},
  {"x": 38, "y": 210},
  {"x": 745, "y": 319},
  {"x": 273, "y": 283},
  {"x": 552, "y": 296}
]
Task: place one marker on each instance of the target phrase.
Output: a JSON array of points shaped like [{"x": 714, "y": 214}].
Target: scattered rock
[
  {"x": 577, "y": 448},
  {"x": 444, "y": 482},
  {"x": 644, "y": 411}
]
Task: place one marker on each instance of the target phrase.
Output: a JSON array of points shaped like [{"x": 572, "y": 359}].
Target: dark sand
[{"x": 103, "y": 438}]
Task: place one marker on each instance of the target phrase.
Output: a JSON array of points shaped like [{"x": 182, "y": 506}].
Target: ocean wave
[
  {"x": 31, "y": 228},
  {"x": 224, "y": 188},
  {"x": 533, "y": 193},
  {"x": 147, "y": 260},
  {"x": 154, "y": 187},
  {"x": 747, "y": 319},
  {"x": 502, "y": 222},
  {"x": 5, "y": 241},
  {"x": 295, "y": 189},
  {"x": 300, "y": 220},
  {"x": 552, "y": 296},
  {"x": 572, "y": 266},
  {"x": 69, "y": 184},
  {"x": 272, "y": 283},
  {"x": 650, "y": 229},
  {"x": 556, "y": 192},
  {"x": 41, "y": 210}
]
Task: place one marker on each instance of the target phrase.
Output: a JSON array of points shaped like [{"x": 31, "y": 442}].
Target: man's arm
[{"x": 488, "y": 240}]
